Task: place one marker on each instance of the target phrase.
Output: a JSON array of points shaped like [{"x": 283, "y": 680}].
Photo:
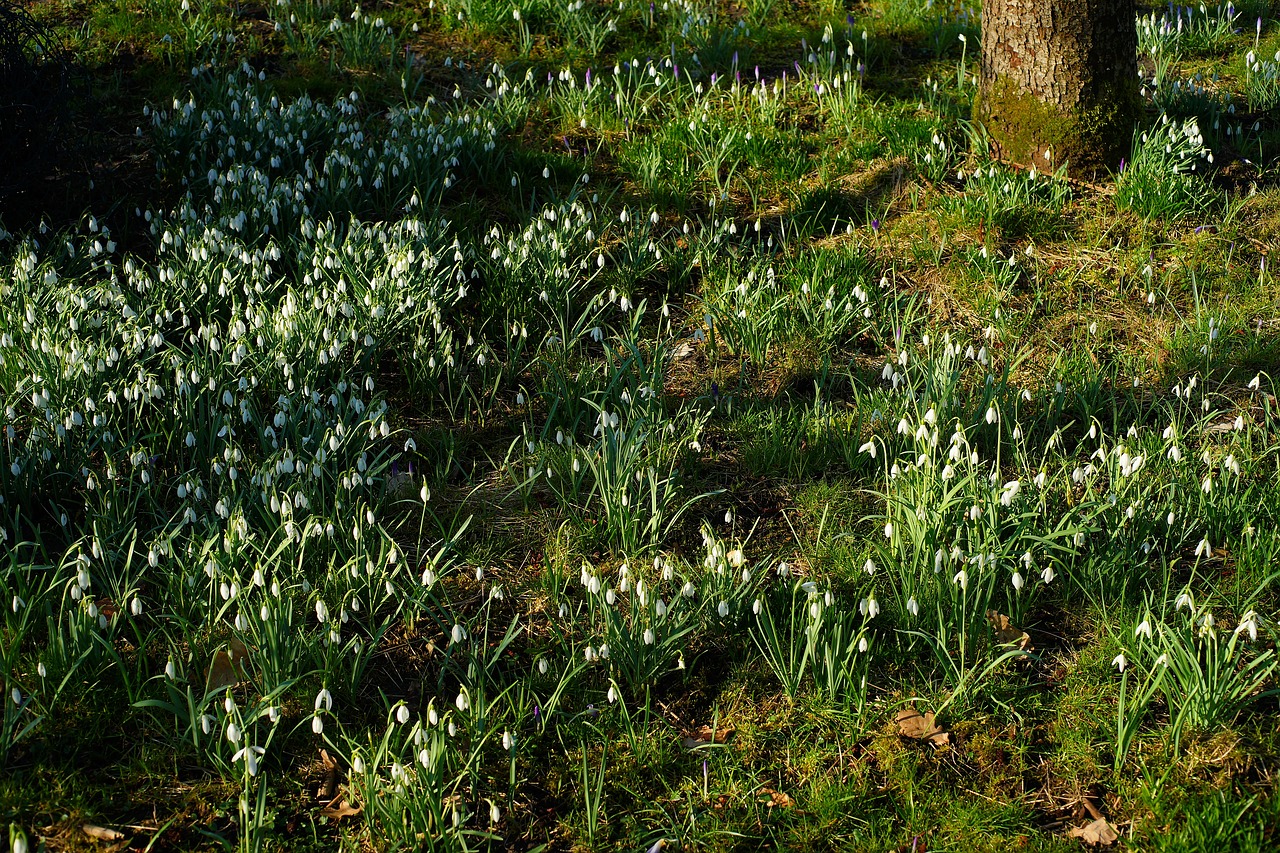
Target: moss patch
[{"x": 1091, "y": 138}]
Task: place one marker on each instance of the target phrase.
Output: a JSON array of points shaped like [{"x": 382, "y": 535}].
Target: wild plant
[
  {"x": 1206, "y": 676},
  {"x": 814, "y": 637},
  {"x": 1262, "y": 81},
  {"x": 413, "y": 782},
  {"x": 1160, "y": 178}
]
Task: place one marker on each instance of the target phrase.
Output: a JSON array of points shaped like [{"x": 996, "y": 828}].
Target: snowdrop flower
[
  {"x": 1143, "y": 629},
  {"x": 1184, "y": 600},
  {"x": 317, "y": 725},
  {"x": 868, "y": 448},
  {"x": 402, "y": 714},
  {"x": 1250, "y": 624},
  {"x": 913, "y": 606},
  {"x": 1047, "y": 574},
  {"x": 612, "y": 695},
  {"x": 1120, "y": 661},
  {"x": 888, "y": 530},
  {"x": 723, "y": 609},
  {"x": 1204, "y": 548},
  {"x": 869, "y": 567},
  {"x": 1163, "y": 660},
  {"x": 962, "y": 579},
  {"x": 1017, "y": 581},
  {"x": 463, "y": 701},
  {"x": 873, "y": 607}
]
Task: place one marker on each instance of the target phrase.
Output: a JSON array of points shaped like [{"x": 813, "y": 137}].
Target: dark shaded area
[{"x": 36, "y": 87}]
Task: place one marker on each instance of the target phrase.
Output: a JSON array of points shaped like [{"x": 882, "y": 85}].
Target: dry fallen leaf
[
  {"x": 772, "y": 798},
  {"x": 101, "y": 833},
  {"x": 344, "y": 809},
  {"x": 1008, "y": 634},
  {"x": 227, "y": 668},
  {"x": 329, "y": 787},
  {"x": 913, "y": 724},
  {"x": 1099, "y": 832},
  {"x": 705, "y": 736}
]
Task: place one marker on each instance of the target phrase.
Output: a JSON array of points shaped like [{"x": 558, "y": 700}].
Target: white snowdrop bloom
[
  {"x": 869, "y": 448},
  {"x": 869, "y": 566},
  {"x": 913, "y": 606},
  {"x": 1120, "y": 662},
  {"x": 723, "y": 609},
  {"x": 463, "y": 701},
  {"x": 1047, "y": 574},
  {"x": 317, "y": 725},
  {"x": 961, "y": 579},
  {"x": 1184, "y": 600},
  {"x": 1017, "y": 581},
  {"x": 322, "y": 612},
  {"x": 1143, "y": 629},
  {"x": 873, "y": 607},
  {"x": 688, "y": 589},
  {"x": 233, "y": 733}
]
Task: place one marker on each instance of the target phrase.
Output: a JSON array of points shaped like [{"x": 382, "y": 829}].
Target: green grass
[{"x": 729, "y": 387}]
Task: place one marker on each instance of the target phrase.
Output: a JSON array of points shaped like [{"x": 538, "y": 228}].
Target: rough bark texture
[{"x": 1059, "y": 81}]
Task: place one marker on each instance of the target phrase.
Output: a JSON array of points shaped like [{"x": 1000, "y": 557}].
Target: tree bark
[{"x": 1059, "y": 82}]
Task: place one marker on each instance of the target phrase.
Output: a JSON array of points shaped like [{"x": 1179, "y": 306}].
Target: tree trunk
[{"x": 1059, "y": 82}]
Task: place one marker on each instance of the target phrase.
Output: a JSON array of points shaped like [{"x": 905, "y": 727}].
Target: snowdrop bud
[{"x": 317, "y": 725}]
